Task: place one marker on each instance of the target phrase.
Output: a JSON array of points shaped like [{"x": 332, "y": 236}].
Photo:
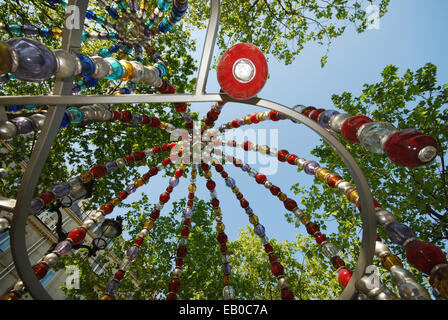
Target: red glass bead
[
  {"x": 156, "y": 149},
  {"x": 292, "y": 159},
  {"x": 282, "y": 155},
  {"x": 235, "y": 124},
  {"x": 139, "y": 155},
  {"x": 180, "y": 107},
  {"x": 129, "y": 159},
  {"x": 219, "y": 168},
  {"x": 239, "y": 196},
  {"x": 126, "y": 116},
  {"x": 145, "y": 120},
  {"x": 238, "y": 163},
  {"x": 179, "y": 262},
  {"x": 290, "y": 204},
  {"x": 99, "y": 171},
  {"x": 272, "y": 257},
  {"x": 165, "y": 147},
  {"x": 77, "y": 235},
  {"x": 312, "y": 228},
  {"x": 211, "y": 185},
  {"x": 215, "y": 203},
  {"x": 275, "y": 190},
  {"x": 171, "y": 296},
  {"x": 169, "y": 189},
  {"x": 260, "y": 178},
  {"x": 208, "y": 122},
  {"x": 117, "y": 115},
  {"x": 424, "y": 255},
  {"x": 224, "y": 174},
  {"x": 315, "y": 114},
  {"x": 190, "y": 203},
  {"x": 153, "y": 171},
  {"x": 166, "y": 161},
  {"x": 247, "y": 145},
  {"x": 244, "y": 203},
  {"x": 351, "y": 125},
  {"x": 181, "y": 251},
  {"x": 174, "y": 285},
  {"x": 40, "y": 270},
  {"x": 119, "y": 275},
  {"x": 47, "y": 197},
  {"x": 171, "y": 89},
  {"x": 107, "y": 208},
  {"x": 308, "y": 110},
  {"x": 164, "y": 87},
  {"x": 139, "y": 241},
  {"x": 222, "y": 238},
  {"x": 173, "y": 145},
  {"x": 185, "y": 231},
  {"x": 404, "y": 147},
  {"x": 146, "y": 177},
  {"x": 253, "y": 118},
  {"x": 164, "y": 197},
  {"x": 320, "y": 238},
  {"x": 155, "y": 214},
  {"x": 223, "y": 249},
  {"x": 155, "y": 122},
  {"x": 273, "y": 115},
  {"x": 191, "y": 196},
  {"x": 287, "y": 294},
  {"x": 205, "y": 166},
  {"x": 268, "y": 248},
  {"x": 246, "y": 57},
  {"x": 375, "y": 204},
  {"x": 337, "y": 262},
  {"x": 344, "y": 276},
  {"x": 123, "y": 195},
  {"x": 277, "y": 269},
  {"x": 187, "y": 222}
]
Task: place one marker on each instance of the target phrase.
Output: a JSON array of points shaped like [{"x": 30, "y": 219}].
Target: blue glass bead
[
  {"x": 148, "y": 24},
  {"x": 105, "y": 53},
  {"x": 324, "y": 118},
  {"x": 64, "y": 4},
  {"x": 45, "y": 32},
  {"x": 226, "y": 268},
  {"x": 162, "y": 69},
  {"x": 132, "y": 252},
  {"x": 112, "y": 36},
  {"x": 398, "y": 232},
  {"x": 164, "y": 27},
  {"x": 259, "y": 230},
  {"x": 76, "y": 88},
  {"x": 101, "y": 20},
  {"x": 121, "y": 5},
  {"x": 30, "y": 107},
  {"x": 127, "y": 49},
  {"x": 176, "y": 16},
  {"x": 90, "y": 82},
  {"x": 85, "y": 36},
  {"x": 15, "y": 29},
  {"x": 112, "y": 287},
  {"x": 83, "y": 87},
  {"x": 63, "y": 248},
  {"x": 114, "y": 49},
  {"x": 65, "y": 121},
  {"x": 174, "y": 181},
  {"x": 249, "y": 211},
  {"x": 61, "y": 190},
  {"x": 179, "y": 7},
  {"x": 90, "y": 15},
  {"x": 230, "y": 182},
  {"x": 30, "y": 30},
  {"x": 77, "y": 116},
  {"x": 53, "y": 1},
  {"x": 24, "y": 125},
  {"x": 131, "y": 188},
  {"x": 188, "y": 213},
  {"x": 4, "y": 78},
  {"x": 112, "y": 12},
  {"x": 125, "y": 91},
  {"x": 117, "y": 69},
  {"x": 14, "y": 108},
  {"x": 36, "y": 207},
  {"x": 245, "y": 167},
  {"x": 310, "y": 167},
  {"x": 130, "y": 84},
  {"x": 35, "y": 61},
  {"x": 88, "y": 67},
  {"x": 111, "y": 166},
  {"x": 163, "y": 5},
  {"x": 137, "y": 118}
]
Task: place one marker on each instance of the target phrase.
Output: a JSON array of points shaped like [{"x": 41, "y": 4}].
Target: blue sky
[{"x": 411, "y": 34}]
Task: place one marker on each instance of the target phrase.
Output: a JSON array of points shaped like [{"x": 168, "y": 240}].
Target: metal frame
[{"x": 62, "y": 97}]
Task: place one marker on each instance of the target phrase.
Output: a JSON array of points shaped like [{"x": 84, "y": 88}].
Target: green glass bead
[
  {"x": 30, "y": 107},
  {"x": 121, "y": 5},
  {"x": 15, "y": 29},
  {"x": 105, "y": 53},
  {"x": 85, "y": 35},
  {"x": 100, "y": 19},
  {"x": 112, "y": 36}
]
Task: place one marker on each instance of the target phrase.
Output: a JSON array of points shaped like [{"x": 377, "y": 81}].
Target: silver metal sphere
[
  {"x": 19, "y": 286},
  {"x": 7, "y": 130},
  {"x": 427, "y": 154},
  {"x": 337, "y": 120},
  {"x": 38, "y": 120},
  {"x": 177, "y": 273},
  {"x": 385, "y": 294},
  {"x": 51, "y": 259},
  {"x": 77, "y": 190},
  {"x": 381, "y": 249},
  {"x": 384, "y": 217},
  {"x": 150, "y": 75},
  {"x": 282, "y": 283},
  {"x": 97, "y": 216},
  {"x": 300, "y": 162},
  {"x": 88, "y": 223},
  {"x": 78, "y": 65},
  {"x": 139, "y": 71},
  {"x": 89, "y": 112},
  {"x": 67, "y": 65},
  {"x": 144, "y": 233},
  {"x": 102, "y": 68},
  {"x": 268, "y": 184},
  {"x": 413, "y": 291},
  {"x": 120, "y": 162},
  {"x": 344, "y": 187}
]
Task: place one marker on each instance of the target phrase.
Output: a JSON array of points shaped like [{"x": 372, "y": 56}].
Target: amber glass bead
[
  {"x": 312, "y": 228},
  {"x": 207, "y": 175},
  {"x": 353, "y": 196},
  {"x": 390, "y": 260},
  {"x": 247, "y": 120},
  {"x": 155, "y": 214},
  {"x": 337, "y": 262},
  {"x": 217, "y": 211},
  {"x": 139, "y": 182},
  {"x": 440, "y": 278},
  {"x": 192, "y": 188},
  {"x": 107, "y": 208},
  {"x": 106, "y": 297},
  {"x": 56, "y": 33},
  {"x": 220, "y": 227},
  {"x": 194, "y": 174},
  {"x": 227, "y": 279},
  {"x": 86, "y": 177},
  {"x": 253, "y": 219},
  {"x": 321, "y": 173},
  {"x": 260, "y": 117},
  {"x": 10, "y": 296},
  {"x": 332, "y": 179},
  {"x": 116, "y": 201},
  {"x": 263, "y": 149},
  {"x": 282, "y": 196},
  {"x": 163, "y": 125},
  {"x": 149, "y": 224},
  {"x": 282, "y": 155},
  {"x": 5, "y": 59},
  {"x": 235, "y": 190}
]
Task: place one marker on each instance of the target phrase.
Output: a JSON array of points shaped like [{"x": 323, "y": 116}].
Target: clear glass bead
[
  {"x": 371, "y": 134},
  {"x": 398, "y": 232},
  {"x": 325, "y": 117},
  {"x": 329, "y": 250},
  {"x": 228, "y": 293},
  {"x": 132, "y": 252}
]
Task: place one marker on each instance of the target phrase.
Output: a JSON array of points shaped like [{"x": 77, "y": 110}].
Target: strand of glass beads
[
  {"x": 174, "y": 284},
  {"x": 228, "y": 291},
  {"x": 133, "y": 251},
  {"x": 177, "y": 12},
  {"x": 212, "y": 116},
  {"x": 31, "y": 30},
  {"x": 276, "y": 267}
]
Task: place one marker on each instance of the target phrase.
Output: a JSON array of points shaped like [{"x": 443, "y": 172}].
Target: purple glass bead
[
  {"x": 61, "y": 190},
  {"x": 4, "y": 78},
  {"x": 24, "y": 125},
  {"x": 230, "y": 182},
  {"x": 226, "y": 268},
  {"x": 137, "y": 118},
  {"x": 111, "y": 166},
  {"x": 133, "y": 5},
  {"x": 30, "y": 30},
  {"x": 324, "y": 118},
  {"x": 245, "y": 167},
  {"x": 259, "y": 230},
  {"x": 249, "y": 211},
  {"x": 188, "y": 213},
  {"x": 36, "y": 207},
  {"x": 132, "y": 252},
  {"x": 131, "y": 188},
  {"x": 63, "y": 248},
  {"x": 310, "y": 167},
  {"x": 35, "y": 61},
  {"x": 398, "y": 232},
  {"x": 174, "y": 181},
  {"x": 112, "y": 287}
]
